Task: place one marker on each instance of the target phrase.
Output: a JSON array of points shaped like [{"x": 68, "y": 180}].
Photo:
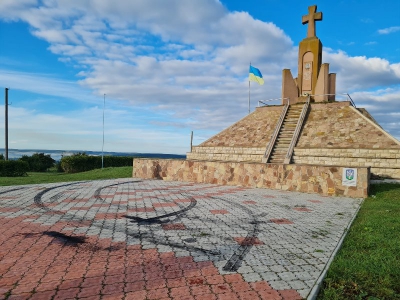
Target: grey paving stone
[
  {"x": 269, "y": 276},
  {"x": 279, "y": 285},
  {"x": 290, "y": 256},
  {"x": 252, "y": 277}
]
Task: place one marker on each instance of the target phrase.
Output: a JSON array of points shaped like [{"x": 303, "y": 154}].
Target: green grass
[
  {"x": 53, "y": 176},
  {"x": 368, "y": 264}
]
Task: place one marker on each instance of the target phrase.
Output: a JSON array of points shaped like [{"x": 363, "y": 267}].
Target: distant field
[{"x": 53, "y": 176}]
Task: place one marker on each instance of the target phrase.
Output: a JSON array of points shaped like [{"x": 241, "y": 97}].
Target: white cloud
[
  {"x": 44, "y": 84},
  {"x": 82, "y": 130},
  {"x": 184, "y": 60},
  {"x": 360, "y": 72},
  {"x": 389, "y": 30}
]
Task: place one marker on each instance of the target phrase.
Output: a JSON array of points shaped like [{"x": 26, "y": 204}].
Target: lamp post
[{"x": 102, "y": 148}]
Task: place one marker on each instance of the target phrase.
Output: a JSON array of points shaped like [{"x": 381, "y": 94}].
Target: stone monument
[
  {"x": 313, "y": 76},
  {"x": 299, "y": 145}
]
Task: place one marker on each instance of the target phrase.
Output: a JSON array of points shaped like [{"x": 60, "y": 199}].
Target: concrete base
[{"x": 324, "y": 180}]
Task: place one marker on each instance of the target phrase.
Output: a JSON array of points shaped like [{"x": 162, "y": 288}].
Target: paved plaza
[{"x": 152, "y": 239}]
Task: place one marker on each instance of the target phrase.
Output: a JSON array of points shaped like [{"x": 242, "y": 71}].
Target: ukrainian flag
[{"x": 255, "y": 75}]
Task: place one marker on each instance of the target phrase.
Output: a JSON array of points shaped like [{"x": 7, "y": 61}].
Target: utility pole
[{"x": 6, "y": 123}]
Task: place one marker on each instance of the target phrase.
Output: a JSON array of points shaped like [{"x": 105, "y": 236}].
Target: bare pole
[
  {"x": 191, "y": 141},
  {"x": 6, "y": 123},
  {"x": 102, "y": 148}
]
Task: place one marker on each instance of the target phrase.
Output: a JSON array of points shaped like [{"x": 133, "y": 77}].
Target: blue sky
[{"x": 170, "y": 67}]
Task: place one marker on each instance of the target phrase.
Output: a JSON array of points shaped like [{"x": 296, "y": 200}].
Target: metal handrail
[
  {"x": 351, "y": 100},
  {"x": 348, "y": 96},
  {"x": 269, "y": 100},
  {"x": 297, "y": 131},
  {"x": 271, "y": 143}
]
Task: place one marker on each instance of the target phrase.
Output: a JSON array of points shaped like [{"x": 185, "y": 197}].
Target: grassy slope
[
  {"x": 368, "y": 265},
  {"x": 32, "y": 178}
]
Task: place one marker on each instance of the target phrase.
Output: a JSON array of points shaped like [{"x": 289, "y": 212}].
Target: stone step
[
  {"x": 288, "y": 130},
  {"x": 286, "y": 135},
  {"x": 294, "y": 121},
  {"x": 284, "y": 140},
  {"x": 276, "y": 160},
  {"x": 282, "y": 145},
  {"x": 283, "y": 148},
  {"x": 279, "y": 152},
  {"x": 290, "y": 125}
]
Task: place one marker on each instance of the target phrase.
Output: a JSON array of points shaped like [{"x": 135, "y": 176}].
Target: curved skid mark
[
  {"x": 38, "y": 198},
  {"x": 236, "y": 259},
  {"x": 11, "y": 190},
  {"x": 156, "y": 219},
  {"x": 97, "y": 191},
  {"x": 233, "y": 263}
]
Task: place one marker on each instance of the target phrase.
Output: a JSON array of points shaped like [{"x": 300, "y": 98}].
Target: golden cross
[{"x": 310, "y": 19}]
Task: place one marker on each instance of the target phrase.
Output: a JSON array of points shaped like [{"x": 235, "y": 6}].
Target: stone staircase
[{"x": 285, "y": 135}]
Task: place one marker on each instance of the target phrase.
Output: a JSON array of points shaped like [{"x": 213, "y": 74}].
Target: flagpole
[
  {"x": 249, "y": 89},
  {"x": 249, "y": 96}
]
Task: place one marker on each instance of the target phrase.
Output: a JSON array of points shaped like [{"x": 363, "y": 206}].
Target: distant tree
[
  {"x": 38, "y": 162},
  {"x": 1, "y": 156}
]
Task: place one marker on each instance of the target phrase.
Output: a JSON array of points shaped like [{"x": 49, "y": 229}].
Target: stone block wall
[
  {"x": 254, "y": 154},
  {"x": 383, "y": 162},
  {"x": 333, "y": 134},
  {"x": 325, "y": 180}
]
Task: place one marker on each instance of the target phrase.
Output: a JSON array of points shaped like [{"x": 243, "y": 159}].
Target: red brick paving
[
  {"x": 219, "y": 211},
  {"x": 34, "y": 266},
  {"x": 281, "y": 221},
  {"x": 305, "y": 209},
  {"x": 245, "y": 241},
  {"x": 315, "y": 201},
  {"x": 249, "y": 202},
  {"x": 182, "y": 201},
  {"x": 165, "y": 204}
]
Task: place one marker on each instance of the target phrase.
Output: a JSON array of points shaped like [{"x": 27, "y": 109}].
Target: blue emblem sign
[
  {"x": 349, "y": 174},
  {"x": 349, "y": 177}
]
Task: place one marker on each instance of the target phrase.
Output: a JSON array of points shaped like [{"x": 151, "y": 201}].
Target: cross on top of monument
[{"x": 310, "y": 19}]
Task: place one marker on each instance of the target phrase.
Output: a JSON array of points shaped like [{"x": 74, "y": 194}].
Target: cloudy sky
[{"x": 169, "y": 67}]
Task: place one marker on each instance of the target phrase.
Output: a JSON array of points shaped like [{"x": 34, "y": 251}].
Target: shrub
[
  {"x": 13, "y": 168},
  {"x": 38, "y": 162},
  {"x": 81, "y": 162}
]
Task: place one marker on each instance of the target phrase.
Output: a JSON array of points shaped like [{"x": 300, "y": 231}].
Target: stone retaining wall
[
  {"x": 383, "y": 162},
  {"x": 254, "y": 154},
  {"x": 325, "y": 180}
]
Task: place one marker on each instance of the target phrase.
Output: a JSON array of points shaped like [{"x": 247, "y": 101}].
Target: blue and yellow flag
[{"x": 255, "y": 75}]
